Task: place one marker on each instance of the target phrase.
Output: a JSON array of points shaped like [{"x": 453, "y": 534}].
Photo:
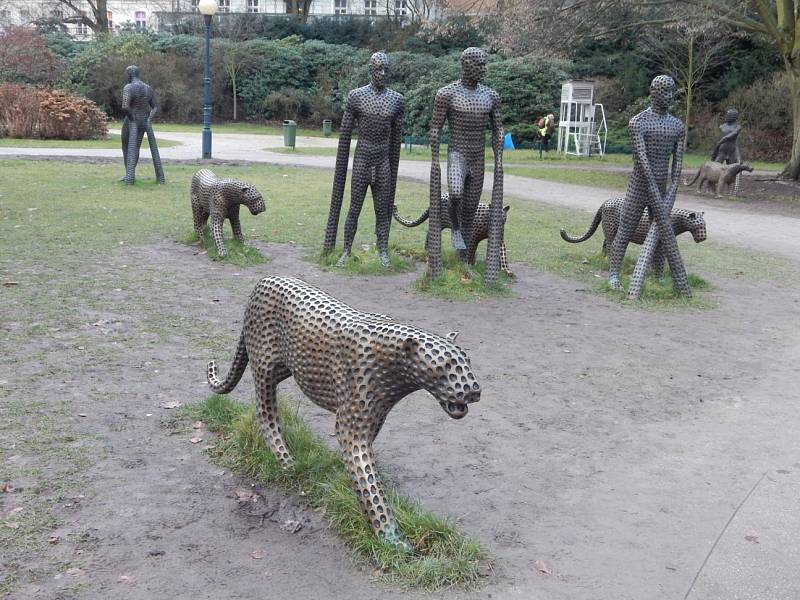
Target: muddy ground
[{"x": 611, "y": 444}]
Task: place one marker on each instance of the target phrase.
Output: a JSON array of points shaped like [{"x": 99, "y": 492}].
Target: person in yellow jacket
[{"x": 546, "y": 127}]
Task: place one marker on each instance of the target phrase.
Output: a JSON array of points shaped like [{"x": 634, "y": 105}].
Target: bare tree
[
  {"x": 299, "y": 8},
  {"x": 687, "y": 51},
  {"x": 97, "y": 21}
]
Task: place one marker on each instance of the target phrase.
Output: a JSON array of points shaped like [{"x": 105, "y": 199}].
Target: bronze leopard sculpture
[
  {"x": 718, "y": 176},
  {"x": 355, "y": 364},
  {"x": 609, "y": 214},
  {"x": 219, "y": 199},
  {"x": 480, "y": 228}
]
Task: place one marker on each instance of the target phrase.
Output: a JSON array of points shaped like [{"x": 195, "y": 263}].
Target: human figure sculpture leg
[
  {"x": 456, "y": 185},
  {"x": 126, "y": 134},
  {"x": 135, "y": 135},
  {"x": 154, "y": 154},
  {"x": 630, "y": 215},
  {"x": 381, "y": 201},
  {"x": 359, "y": 182},
  {"x": 473, "y": 186}
]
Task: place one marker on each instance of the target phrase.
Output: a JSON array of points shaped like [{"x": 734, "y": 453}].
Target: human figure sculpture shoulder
[
  {"x": 139, "y": 105},
  {"x": 378, "y": 112},
  {"x": 657, "y": 137},
  {"x": 468, "y": 107}
]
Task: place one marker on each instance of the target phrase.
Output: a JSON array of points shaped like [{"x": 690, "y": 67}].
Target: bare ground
[{"x": 611, "y": 444}]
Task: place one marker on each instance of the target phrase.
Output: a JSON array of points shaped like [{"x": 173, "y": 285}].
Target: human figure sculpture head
[
  {"x": 731, "y": 115},
  {"x": 132, "y": 73},
  {"x": 473, "y": 66},
  {"x": 662, "y": 89},
  {"x": 378, "y": 70}
]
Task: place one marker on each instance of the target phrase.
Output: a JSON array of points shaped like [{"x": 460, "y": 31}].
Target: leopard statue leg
[
  {"x": 200, "y": 216},
  {"x": 355, "y": 434},
  {"x": 216, "y": 233},
  {"x": 266, "y": 382},
  {"x": 236, "y": 224},
  {"x": 504, "y": 260}
]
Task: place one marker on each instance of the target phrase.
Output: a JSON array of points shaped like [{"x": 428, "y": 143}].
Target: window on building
[
  {"x": 340, "y": 7},
  {"x": 141, "y": 19},
  {"x": 5, "y": 16},
  {"x": 25, "y": 16},
  {"x": 194, "y": 6},
  {"x": 252, "y": 6},
  {"x": 110, "y": 17},
  {"x": 224, "y": 6},
  {"x": 370, "y": 7},
  {"x": 400, "y": 7}
]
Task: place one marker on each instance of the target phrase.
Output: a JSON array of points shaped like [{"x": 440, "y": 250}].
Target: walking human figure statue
[
  {"x": 726, "y": 150},
  {"x": 656, "y": 136},
  {"x": 468, "y": 106},
  {"x": 378, "y": 111},
  {"x": 139, "y": 104}
]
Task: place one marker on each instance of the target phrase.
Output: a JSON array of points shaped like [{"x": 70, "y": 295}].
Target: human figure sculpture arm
[
  {"x": 677, "y": 168},
  {"x": 395, "y": 140},
  {"x": 340, "y": 172},
  {"x": 640, "y": 158},
  {"x": 126, "y": 100},
  {"x": 153, "y": 108}
]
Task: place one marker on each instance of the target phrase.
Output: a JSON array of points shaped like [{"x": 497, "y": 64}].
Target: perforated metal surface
[
  {"x": 219, "y": 199},
  {"x": 468, "y": 107},
  {"x": 355, "y": 364},
  {"x": 609, "y": 215},
  {"x": 378, "y": 112},
  {"x": 139, "y": 104},
  {"x": 480, "y": 228},
  {"x": 656, "y": 136}
]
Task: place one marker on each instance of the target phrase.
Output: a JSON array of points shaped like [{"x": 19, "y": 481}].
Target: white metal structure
[{"x": 579, "y": 130}]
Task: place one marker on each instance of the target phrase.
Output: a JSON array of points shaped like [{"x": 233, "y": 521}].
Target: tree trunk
[
  {"x": 792, "y": 169},
  {"x": 101, "y": 17},
  {"x": 233, "y": 85}
]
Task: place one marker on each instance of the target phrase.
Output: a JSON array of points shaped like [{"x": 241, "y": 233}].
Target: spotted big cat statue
[{"x": 357, "y": 365}]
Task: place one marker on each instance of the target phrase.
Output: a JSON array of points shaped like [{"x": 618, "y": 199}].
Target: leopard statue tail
[
  {"x": 700, "y": 170},
  {"x": 234, "y": 375},
  {"x": 589, "y": 233},
  {"x": 421, "y": 219}
]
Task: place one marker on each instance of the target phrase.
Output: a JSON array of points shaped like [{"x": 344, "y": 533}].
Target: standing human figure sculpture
[
  {"x": 378, "y": 111},
  {"x": 468, "y": 106},
  {"x": 139, "y": 104},
  {"x": 656, "y": 135},
  {"x": 726, "y": 150}
]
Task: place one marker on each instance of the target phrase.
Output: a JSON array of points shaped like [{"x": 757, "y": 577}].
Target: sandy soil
[{"x": 612, "y": 444}]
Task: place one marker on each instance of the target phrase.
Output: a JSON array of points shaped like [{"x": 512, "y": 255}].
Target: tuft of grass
[
  {"x": 442, "y": 556},
  {"x": 460, "y": 283},
  {"x": 239, "y": 254},
  {"x": 366, "y": 262}
]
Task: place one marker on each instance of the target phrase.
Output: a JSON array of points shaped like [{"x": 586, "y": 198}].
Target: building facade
[{"x": 146, "y": 13}]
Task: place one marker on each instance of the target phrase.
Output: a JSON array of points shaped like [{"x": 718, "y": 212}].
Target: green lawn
[
  {"x": 112, "y": 141},
  {"x": 47, "y": 205},
  {"x": 238, "y": 127},
  {"x": 603, "y": 179}
]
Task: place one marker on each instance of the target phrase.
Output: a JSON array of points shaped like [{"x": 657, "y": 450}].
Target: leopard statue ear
[
  {"x": 452, "y": 335},
  {"x": 692, "y": 215}
]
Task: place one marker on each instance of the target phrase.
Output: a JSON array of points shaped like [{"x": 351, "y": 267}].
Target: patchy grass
[
  {"x": 71, "y": 209},
  {"x": 233, "y": 127},
  {"x": 365, "y": 261},
  {"x": 460, "y": 283},
  {"x": 442, "y": 556},
  {"x": 112, "y": 141},
  {"x": 239, "y": 254}
]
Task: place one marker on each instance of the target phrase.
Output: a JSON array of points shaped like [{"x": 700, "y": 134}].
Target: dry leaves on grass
[
  {"x": 196, "y": 439},
  {"x": 171, "y": 404},
  {"x": 6, "y": 488},
  {"x": 53, "y": 539},
  {"x": 198, "y": 425}
]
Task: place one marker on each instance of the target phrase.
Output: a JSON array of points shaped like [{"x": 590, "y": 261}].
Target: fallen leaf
[
  {"x": 484, "y": 568},
  {"x": 292, "y": 526},
  {"x": 170, "y": 405},
  {"x": 6, "y": 488},
  {"x": 258, "y": 554},
  {"x": 53, "y": 539},
  {"x": 82, "y": 414},
  {"x": 567, "y": 351},
  {"x": 101, "y": 322},
  {"x": 196, "y": 440},
  {"x": 75, "y": 572},
  {"x": 14, "y": 511},
  {"x": 12, "y": 525},
  {"x": 542, "y": 567},
  {"x": 246, "y": 496},
  {"x": 752, "y": 538},
  {"x": 377, "y": 573},
  {"x": 10, "y": 283},
  {"x": 125, "y": 578},
  {"x": 198, "y": 425},
  {"x": 156, "y": 553}
]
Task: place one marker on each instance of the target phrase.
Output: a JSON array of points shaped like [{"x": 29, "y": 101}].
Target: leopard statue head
[
  {"x": 252, "y": 199},
  {"x": 440, "y": 367},
  {"x": 695, "y": 223}
]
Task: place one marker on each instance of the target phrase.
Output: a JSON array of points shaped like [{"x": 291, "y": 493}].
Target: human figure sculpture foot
[
  {"x": 384, "y": 258},
  {"x": 458, "y": 240},
  {"x": 343, "y": 259}
]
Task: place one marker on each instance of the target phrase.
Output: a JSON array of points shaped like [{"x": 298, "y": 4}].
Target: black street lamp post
[{"x": 208, "y": 9}]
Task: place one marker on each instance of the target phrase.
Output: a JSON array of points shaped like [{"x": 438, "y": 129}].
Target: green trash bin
[
  {"x": 289, "y": 133},
  {"x": 327, "y": 127}
]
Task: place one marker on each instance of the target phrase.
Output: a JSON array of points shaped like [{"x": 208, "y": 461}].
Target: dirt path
[{"x": 611, "y": 444}]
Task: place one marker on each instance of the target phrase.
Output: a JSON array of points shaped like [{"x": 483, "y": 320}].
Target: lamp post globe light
[{"x": 208, "y": 8}]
